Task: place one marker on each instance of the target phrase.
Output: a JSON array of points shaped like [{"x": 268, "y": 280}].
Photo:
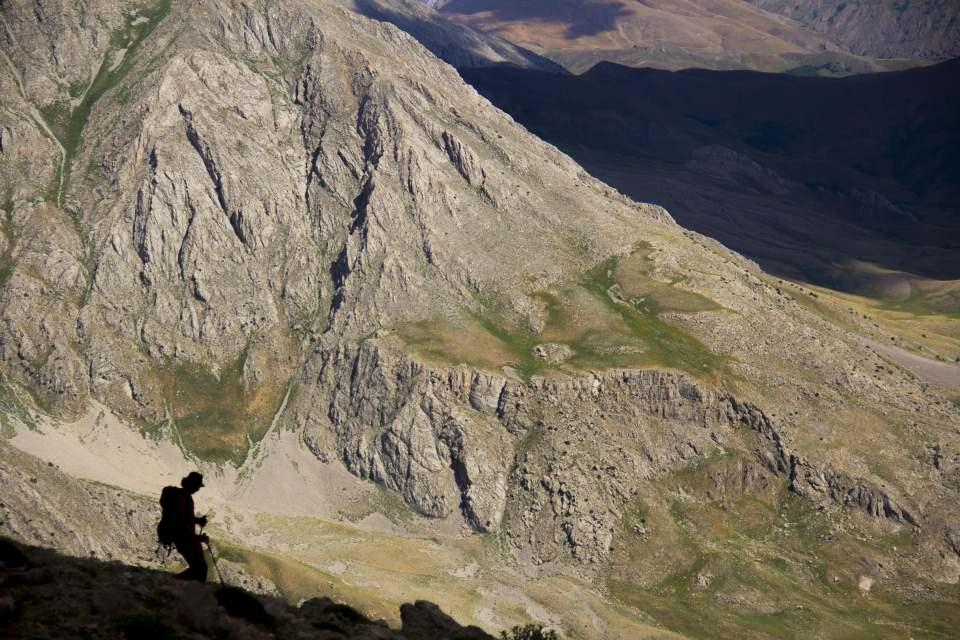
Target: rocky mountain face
[
  {"x": 242, "y": 209},
  {"x": 269, "y": 216},
  {"x": 928, "y": 29},
  {"x": 813, "y": 37}
]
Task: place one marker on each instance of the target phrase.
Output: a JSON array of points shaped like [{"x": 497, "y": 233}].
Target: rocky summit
[{"x": 419, "y": 351}]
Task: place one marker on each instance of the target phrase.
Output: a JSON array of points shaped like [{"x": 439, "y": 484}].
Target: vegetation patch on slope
[
  {"x": 12, "y": 408},
  {"x": 717, "y": 556},
  {"x": 607, "y": 318},
  {"x": 219, "y": 415},
  {"x": 920, "y": 320},
  {"x": 470, "y": 578}
]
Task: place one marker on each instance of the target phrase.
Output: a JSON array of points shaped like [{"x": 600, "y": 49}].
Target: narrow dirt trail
[{"x": 42, "y": 123}]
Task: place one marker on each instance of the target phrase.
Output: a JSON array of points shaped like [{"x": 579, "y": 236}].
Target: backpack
[{"x": 169, "y": 523}]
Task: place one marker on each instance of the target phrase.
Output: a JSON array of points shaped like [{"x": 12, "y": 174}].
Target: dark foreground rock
[{"x": 57, "y": 596}]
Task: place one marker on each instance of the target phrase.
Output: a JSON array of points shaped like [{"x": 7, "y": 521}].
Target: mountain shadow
[
  {"x": 44, "y": 594},
  {"x": 805, "y": 175}
]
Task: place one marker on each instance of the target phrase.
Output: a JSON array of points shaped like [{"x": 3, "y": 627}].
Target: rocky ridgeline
[
  {"x": 45, "y": 594},
  {"x": 553, "y": 461}
]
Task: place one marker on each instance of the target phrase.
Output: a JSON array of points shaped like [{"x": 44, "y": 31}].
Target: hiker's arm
[
  {"x": 187, "y": 516},
  {"x": 201, "y": 520}
]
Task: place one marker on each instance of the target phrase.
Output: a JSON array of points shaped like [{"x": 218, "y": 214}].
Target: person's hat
[{"x": 193, "y": 479}]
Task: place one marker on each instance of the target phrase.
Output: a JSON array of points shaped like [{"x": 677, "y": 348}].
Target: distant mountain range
[
  {"x": 455, "y": 43},
  {"x": 924, "y": 29},
  {"x": 809, "y": 36}
]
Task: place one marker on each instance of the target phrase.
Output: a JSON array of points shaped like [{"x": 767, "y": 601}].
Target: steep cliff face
[
  {"x": 287, "y": 213},
  {"x": 460, "y": 439},
  {"x": 551, "y": 463}
]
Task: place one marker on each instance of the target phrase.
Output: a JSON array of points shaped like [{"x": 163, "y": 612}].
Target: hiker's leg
[
  {"x": 192, "y": 552},
  {"x": 198, "y": 564},
  {"x": 202, "y": 567},
  {"x": 183, "y": 547}
]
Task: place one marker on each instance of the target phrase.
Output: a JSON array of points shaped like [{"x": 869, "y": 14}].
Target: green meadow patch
[
  {"x": 764, "y": 563},
  {"x": 609, "y": 317},
  {"x": 218, "y": 416}
]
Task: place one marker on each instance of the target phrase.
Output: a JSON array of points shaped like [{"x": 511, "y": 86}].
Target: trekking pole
[
  {"x": 215, "y": 565},
  {"x": 213, "y": 557}
]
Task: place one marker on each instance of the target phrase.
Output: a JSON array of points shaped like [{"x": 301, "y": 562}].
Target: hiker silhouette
[{"x": 178, "y": 523}]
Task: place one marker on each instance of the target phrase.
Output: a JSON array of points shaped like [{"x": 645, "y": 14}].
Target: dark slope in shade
[
  {"x": 49, "y": 595},
  {"x": 799, "y": 173}
]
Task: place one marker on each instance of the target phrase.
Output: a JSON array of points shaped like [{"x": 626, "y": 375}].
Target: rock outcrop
[{"x": 553, "y": 462}]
